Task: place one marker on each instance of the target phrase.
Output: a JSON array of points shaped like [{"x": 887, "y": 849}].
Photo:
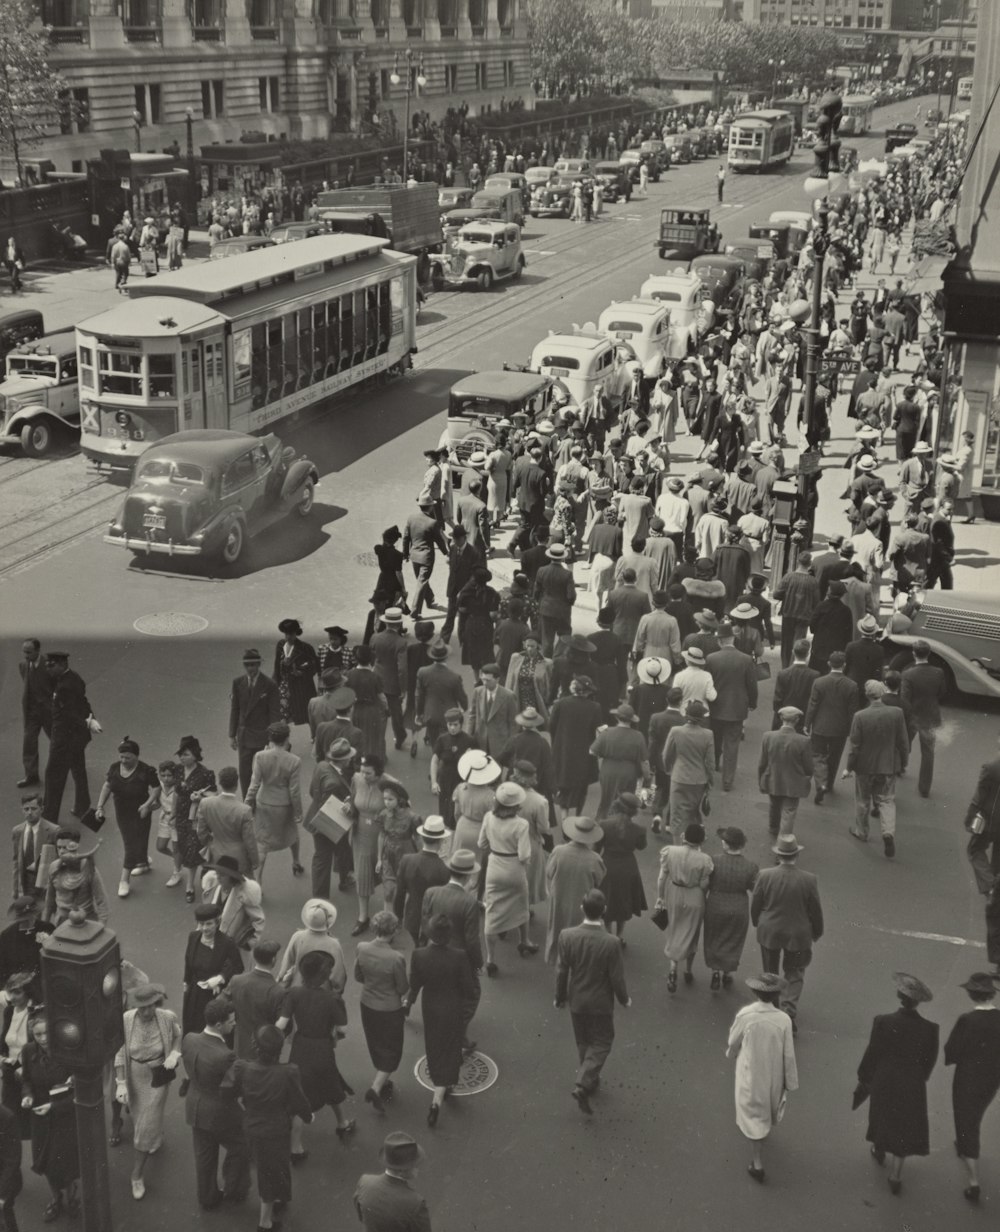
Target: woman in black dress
[
  {"x": 622, "y": 885},
  {"x": 47, "y": 1091},
  {"x": 194, "y": 781},
  {"x": 316, "y": 1011},
  {"x": 370, "y": 706},
  {"x": 448, "y": 748},
  {"x": 135, "y": 789},
  {"x": 211, "y": 959},
  {"x": 973, "y": 1048},
  {"x": 296, "y": 667},
  {"x": 272, "y": 1096},
  {"x": 478, "y": 604},
  {"x": 446, "y": 980}
]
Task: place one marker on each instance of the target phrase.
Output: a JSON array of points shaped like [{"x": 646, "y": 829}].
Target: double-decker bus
[
  {"x": 243, "y": 343},
  {"x": 759, "y": 140},
  {"x": 857, "y": 116}
]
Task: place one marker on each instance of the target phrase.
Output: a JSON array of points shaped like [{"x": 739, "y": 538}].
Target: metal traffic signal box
[{"x": 81, "y": 976}]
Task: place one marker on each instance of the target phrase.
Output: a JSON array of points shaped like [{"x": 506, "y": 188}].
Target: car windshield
[
  {"x": 32, "y": 365},
  {"x": 476, "y": 237},
  {"x": 476, "y": 406},
  {"x": 165, "y": 470},
  {"x": 672, "y": 296}
]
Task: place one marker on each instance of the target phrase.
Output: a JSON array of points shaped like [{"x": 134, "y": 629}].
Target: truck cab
[
  {"x": 481, "y": 254},
  {"x": 40, "y": 393},
  {"x": 686, "y": 233}
]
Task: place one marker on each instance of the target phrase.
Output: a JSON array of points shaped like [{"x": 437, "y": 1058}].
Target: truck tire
[
  {"x": 37, "y": 438},
  {"x": 485, "y": 280},
  {"x": 233, "y": 544},
  {"x": 663, "y": 254},
  {"x": 423, "y": 267}
]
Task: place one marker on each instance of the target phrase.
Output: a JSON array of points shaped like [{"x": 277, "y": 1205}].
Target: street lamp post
[
  {"x": 189, "y": 122},
  {"x": 776, "y": 66},
  {"x": 137, "y": 125},
  {"x": 421, "y": 81},
  {"x": 949, "y": 85}
]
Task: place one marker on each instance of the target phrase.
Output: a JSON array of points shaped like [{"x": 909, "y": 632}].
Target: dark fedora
[
  {"x": 399, "y": 1150},
  {"x": 228, "y": 865}
]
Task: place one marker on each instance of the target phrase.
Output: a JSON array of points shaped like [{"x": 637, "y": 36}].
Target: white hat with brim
[
  {"x": 922, "y": 447},
  {"x": 654, "y": 670},
  {"x": 582, "y": 830},
  {"x": 433, "y": 828},
  {"x": 866, "y": 462},
  {"x": 744, "y": 611},
  {"x": 478, "y": 768},
  {"x": 317, "y": 910}
]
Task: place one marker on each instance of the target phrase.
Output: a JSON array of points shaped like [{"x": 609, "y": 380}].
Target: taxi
[
  {"x": 962, "y": 629},
  {"x": 692, "y": 311},
  {"x": 577, "y": 361},
  {"x": 641, "y": 327},
  {"x": 572, "y": 168}
]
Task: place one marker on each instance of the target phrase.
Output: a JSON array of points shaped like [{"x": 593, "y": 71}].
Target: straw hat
[
  {"x": 582, "y": 830},
  {"x": 654, "y": 670},
  {"x": 478, "y": 768},
  {"x": 318, "y": 915}
]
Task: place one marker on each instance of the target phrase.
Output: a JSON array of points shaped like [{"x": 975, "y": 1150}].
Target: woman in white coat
[{"x": 761, "y": 1040}]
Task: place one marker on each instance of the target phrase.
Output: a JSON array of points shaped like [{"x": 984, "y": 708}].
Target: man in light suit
[
  {"x": 785, "y": 770},
  {"x": 689, "y": 761},
  {"x": 922, "y": 692},
  {"x": 240, "y": 898},
  {"x": 36, "y": 707},
  {"x": 225, "y": 824},
  {"x": 786, "y": 911},
  {"x": 33, "y": 848},
  {"x": 439, "y": 690},
  {"x": 389, "y": 648},
  {"x": 735, "y": 679},
  {"x": 490, "y": 721},
  {"x": 254, "y": 705},
  {"x": 833, "y": 703},
  {"x": 590, "y": 976},
  {"x": 879, "y": 751},
  {"x": 216, "y": 1120},
  {"x": 257, "y": 997},
  {"x": 458, "y": 902},
  {"x": 388, "y": 1202},
  {"x": 471, "y": 515}
]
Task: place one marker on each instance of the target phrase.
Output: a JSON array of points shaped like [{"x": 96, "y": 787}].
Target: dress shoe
[
  {"x": 895, "y": 1186},
  {"x": 433, "y": 1112},
  {"x": 372, "y": 1097},
  {"x": 688, "y": 977},
  {"x": 889, "y": 843},
  {"x": 862, "y": 838},
  {"x": 141, "y": 870},
  {"x": 492, "y": 970},
  {"x": 971, "y": 1194},
  {"x": 468, "y": 1047},
  {"x": 527, "y": 948},
  {"x": 757, "y": 1174},
  {"x": 716, "y": 981},
  {"x": 820, "y": 793},
  {"x": 173, "y": 879},
  {"x": 27, "y": 782},
  {"x": 727, "y": 980},
  {"x": 362, "y": 926},
  {"x": 297, "y": 870},
  {"x": 878, "y": 1155},
  {"x": 672, "y": 982},
  {"x": 124, "y": 889},
  {"x": 582, "y": 1100},
  {"x": 299, "y": 1157},
  {"x": 345, "y": 1130}
]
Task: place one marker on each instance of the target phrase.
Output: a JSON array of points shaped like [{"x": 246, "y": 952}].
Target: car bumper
[{"x": 160, "y": 549}]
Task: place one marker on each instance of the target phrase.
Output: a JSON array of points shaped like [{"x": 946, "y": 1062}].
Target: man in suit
[
  {"x": 735, "y": 679},
  {"x": 36, "y": 707},
  {"x": 689, "y": 760},
  {"x": 225, "y": 824},
  {"x": 787, "y": 913},
  {"x": 490, "y": 720},
  {"x": 923, "y": 690},
  {"x": 389, "y": 648},
  {"x": 254, "y": 703},
  {"x": 417, "y": 872},
  {"x": 660, "y": 726},
  {"x": 878, "y": 752},
  {"x": 257, "y": 997},
  {"x": 72, "y": 722},
  {"x": 793, "y": 685},
  {"x": 627, "y": 605},
  {"x": 785, "y": 770},
  {"x": 389, "y": 1203},
  {"x": 832, "y": 705},
  {"x": 471, "y": 515},
  {"x": 421, "y": 535},
  {"x": 21, "y": 942},
  {"x": 240, "y": 899},
  {"x": 216, "y": 1119},
  {"x": 321, "y": 708},
  {"x": 33, "y": 847},
  {"x": 555, "y": 593},
  {"x": 462, "y": 559},
  {"x": 529, "y": 483},
  {"x": 533, "y": 558},
  {"x": 798, "y": 593},
  {"x": 340, "y": 727},
  {"x": 459, "y": 904},
  {"x": 439, "y": 689},
  {"x": 590, "y": 976},
  {"x": 865, "y": 656}
]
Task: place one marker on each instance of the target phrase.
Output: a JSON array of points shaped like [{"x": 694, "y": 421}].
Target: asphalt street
[{"x": 662, "y": 1148}]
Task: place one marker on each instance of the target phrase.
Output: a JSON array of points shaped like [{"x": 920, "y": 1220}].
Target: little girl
[{"x": 166, "y": 829}]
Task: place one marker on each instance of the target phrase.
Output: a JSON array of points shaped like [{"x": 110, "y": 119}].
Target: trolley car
[
  {"x": 759, "y": 140},
  {"x": 859, "y": 110},
  {"x": 243, "y": 343}
]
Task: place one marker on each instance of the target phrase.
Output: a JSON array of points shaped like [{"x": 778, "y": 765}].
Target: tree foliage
[{"x": 30, "y": 92}]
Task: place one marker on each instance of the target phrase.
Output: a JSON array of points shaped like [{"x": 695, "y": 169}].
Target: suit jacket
[
  {"x": 389, "y": 649},
  {"x": 45, "y": 853},
  {"x": 628, "y": 605},
  {"x": 462, "y": 559},
  {"x": 470, "y": 512},
  {"x": 879, "y": 743},
  {"x": 658, "y": 634},
  {"x": 242, "y": 915},
  {"x": 532, "y": 559},
  {"x": 70, "y": 709},
  {"x": 865, "y": 661},
  {"x": 334, "y": 729},
  {"x": 689, "y": 754},
  {"x": 421, "y": 536},
  {"x": 735, "y": 681},
  {"x": 529, "y": 484},
  {"x": 792, "y": 687},
  {"x": 251, "y": 709},
  {"x": 417, "y": 872},
  {"x": 225, "y": 825},
  {"x": 36, "y": 693},
  {"x": 785, "y": 908},
  {"x": 786, "y": 764},
  {"x": 438, "y": 690},
  {"x": 389, "y": 1204},
  {"x": 832, "y": 705},
  {"x": 275, "y": 780},
  {"x": 206, "y": 1062},
  {"x": 923, "y": 690},
  {"x": 492, "y": 727},
  {"x": 555, "y": 591},
  {"x": 257, "y": 998},
  {"x": 591, "y": 971},
  {"x": 462, "y": 909}
]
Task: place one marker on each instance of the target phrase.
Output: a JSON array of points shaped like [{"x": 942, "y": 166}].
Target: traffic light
[
  {"x": 826, "y": 150},
  {"x": 81, "y": 978}
]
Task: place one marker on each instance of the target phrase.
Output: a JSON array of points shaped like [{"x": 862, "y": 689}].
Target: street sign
[{"x": 840, "y": 363}]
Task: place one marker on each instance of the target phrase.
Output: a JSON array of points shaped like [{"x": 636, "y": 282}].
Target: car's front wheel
[
  {"x": 37, "y": 438},
  {"x": 485, "y": 280},
  {"x": 234, "y": 543},
  {"x": 305, "y": 502}
]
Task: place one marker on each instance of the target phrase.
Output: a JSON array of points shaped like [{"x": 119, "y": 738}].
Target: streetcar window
[
  {"x": 241, "y": 357},
  {"x": 346, "y": 331},
  {"x": 384, "y": 317},
  {"x": 275, "y": 360},
  {"x": 290, "y": 355},
  {"x": 162, "y": 377},
  {"x": 120, "y": 373},
  {"x": 360, "y": 328},
  {"x": 305, "y": 365}
]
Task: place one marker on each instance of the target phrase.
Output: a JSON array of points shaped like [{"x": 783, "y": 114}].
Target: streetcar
[
  {"x": 759, "y": 140},
  {"x": 857, "y": 114},
  {"x": 243, "y": 343},
  {"x": 964, "y": 92}
]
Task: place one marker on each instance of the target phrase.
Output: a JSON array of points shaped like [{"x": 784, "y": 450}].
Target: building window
[
  {"x": 482, "y": 75},
  {"x": 451, "y": 78},
  {"x": 66, "y": 19},
  {"x": 263, "y": 18},
  {"x": 74, "y": 110},
  {"x": 477, "y": 17},
  {"x": 508, "y": 72},
  {"x": 447, "y": 18},
  {"x": 141, "y": 20},
  {"x": 270, "y": 97},
  {"x": 213, "y": 98},
  {"x": 411, "y": 14},
  {"x": 206, "y": 20},
  {"x": 380, "y": 14},
  {"x": 147, "y": 103},
  {"x": 384, "y": 83}
]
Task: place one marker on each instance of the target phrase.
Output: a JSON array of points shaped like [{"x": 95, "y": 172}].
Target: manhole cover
[
  {"x": 366, "y": 558},
  {"x": 478, "y": 1073},
  {"x": 170, "y": 624}
]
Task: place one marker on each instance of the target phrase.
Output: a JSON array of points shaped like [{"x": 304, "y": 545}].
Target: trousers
[
  {"x": 685, "y": 806},
  {"x": 728, "y": 733},
  {"x": 422, "y": 591},
  {"x": 33, "y": 724},
  {"x": 873, "y": 791},
  {"x": 985, "y": 862},
  {"x": 791, "y": 631},
  {"x": 925, "y": 776},
  {"x": 594, "y": 1034},
  {"x": 65, "y": 759},
  {"x": 782, "y": 813},
  {"x": 395, "y": 704},
  {"x": 550, "y": 627},
  {"x": 329, "y": 857},
  {"x": 827, "y": 752},
  {"x": 235, "y": 1166},
  {"x": 244, "y": 762},
  {"x": 795, "y": 963}
]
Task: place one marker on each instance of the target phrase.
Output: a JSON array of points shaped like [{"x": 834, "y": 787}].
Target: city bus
[
  {"x": 243, "y": 343},
  {"x": 759, "y": 140},
  {"x": 858, "y": 112}
]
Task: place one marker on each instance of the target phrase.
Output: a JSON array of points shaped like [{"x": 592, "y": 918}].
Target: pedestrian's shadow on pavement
[{"x": 982, "y": 559}]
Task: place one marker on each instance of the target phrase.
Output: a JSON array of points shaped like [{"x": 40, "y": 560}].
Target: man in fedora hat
[
  {"x": 658, "y": 635},
  {"x": 21, "y": 941},
  {"x": 922, "y": 691},
  {"x": 916, "y": 476},
  {"x": 254, "y": 704},
  {"x": 785, "y": 770},
  {"x": 706, "y": 637},
  {"x": 339, "y": 726},
  {"x": 878, "y": 753},
  {"x": 471, "y": 514},
  {"x": 239, "y": 897},
  {"x": 555, "y": 593},
  {"x": 786, "y": 911},
  {"x": 438, "y": 690},
  {"x": 573, "y": 723},
  {"x": 463, "y": 559},
  {"x": 417, "y": 872},
  {"x": 36, "y": 707},
  {"x": 530, "y": 482},
  {"x": 689, "y": 762},
  {"x": 735, "y": 679},
  {"x": 490, "y": 719},
  {"x": 256, "y": 995},
  {"x": 590, "y": 977},
  {"x": 627, "y": 604},
  {"x": 833, "y": 702},
  {"x": 457, "y": 900},
  {"x": 389, "y": 649},
  {"x": 388, "y": 1202},
  {"x": 72, "y": 724},
  {"x": 331, "y": 777},
  {"x": 421, "y": 536},
  {"x": 798, "y": 594},
  {"x": 225, "y": 824},
  {"x": 322, "y": 707},
  {"x": 865, "y": 657}
]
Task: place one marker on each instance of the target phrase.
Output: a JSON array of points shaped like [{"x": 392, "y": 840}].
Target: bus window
[
  {"x": 291, "y": 354},
  {"x": 305, "y": 375},
  {"x": 120, "y": 373},
  {"x": 346, "y": 331},
  {"x": 318, "y": 342},
  {"x": 360, "y": 330},
  {"x": 275, "y": 361},
  {"x": 162, "y": 377},
  {"x": 258, "y": 366}
]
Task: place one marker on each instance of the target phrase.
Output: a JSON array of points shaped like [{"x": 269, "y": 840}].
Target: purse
[
  {"x": 661, "y": 918},
  {"x": 92, "y": 821},
  {"x": 160, "y": 1076},
  {"x": 762, "y": 670}
]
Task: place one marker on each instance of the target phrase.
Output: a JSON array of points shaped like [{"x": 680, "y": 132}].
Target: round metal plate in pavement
[
  {"x": 170, "y": 624},
  {"x": 478, "y": 1074}
]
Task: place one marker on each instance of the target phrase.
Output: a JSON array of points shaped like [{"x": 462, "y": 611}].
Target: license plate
[
  {"x": 623, "y": 334},
  {"x": 155, "y": 521},
  {"x": 559, "y": 371}
]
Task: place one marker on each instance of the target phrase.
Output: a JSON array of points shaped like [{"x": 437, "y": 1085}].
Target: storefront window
[{"x": 991, "y": 462}]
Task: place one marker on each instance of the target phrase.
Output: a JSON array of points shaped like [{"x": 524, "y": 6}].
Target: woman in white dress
[
  {"x": 506, "y": 837},
  {"x": 761, "y": 1040},
  {"x": 684, "y": 875}
]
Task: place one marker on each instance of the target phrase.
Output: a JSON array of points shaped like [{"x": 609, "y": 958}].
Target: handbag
[
  {"x": 661, "y": 918},
  {"x": 762, "y": 670},
  {"x": 92, "y": 821},
  {"x": 160, "y": 1076}
]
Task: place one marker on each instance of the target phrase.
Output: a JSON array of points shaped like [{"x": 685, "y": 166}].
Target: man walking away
[
  {"x": 720, "y": 181},
  {"x": 798, "y": 593},
  {"x": 589, "y": 977},
  {"x": 735, "y": 681},
  {"x": 787, "y": 913},
  {"x": 793, "y": 685},
  {"x": 833, "y": 703},
  {"x": 785, "y": 770},
  {"x": 923, "y": 690},
  {"x": 254, "y": 705},
  {"x": 388, "y": 1202},
  {"x": 72, "y": 722},
  {"x": 879, "y": 752}
]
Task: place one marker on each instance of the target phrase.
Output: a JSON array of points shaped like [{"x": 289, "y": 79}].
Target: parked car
[
  {"x": 609, "y": 176},
  {"x": 536, "y": 176},
  {"x": 505, "y": 181},
  {"x": 658, "y": 155},
  {"x": 553, "y": 200},
  {"x": 899, "y": 134},
  {"x": 207, "y": 492},
  {"x": 962, "y": 629},
  {"x": 287, "y": 232},
  {"x": 40, "y": 395},
  {"x": 692, "y": 311},
  {"x": 572, "y": 168},
  {"x": 481, "y": 254},
  {"x": 722, "y": 278}
]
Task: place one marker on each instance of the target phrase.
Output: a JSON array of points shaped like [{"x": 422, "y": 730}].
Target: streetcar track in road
[
  {"x": 30, "y": 465},
  {"x": 108, "y": 498}
]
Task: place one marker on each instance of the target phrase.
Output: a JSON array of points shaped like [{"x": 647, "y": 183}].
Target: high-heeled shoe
[
  {"x": 672, "y": 982},
  {"x": 757, "y": 1174},
  {"x": 299, "y": 1157},
  {"x": 716, "y": 983},
  {"x": 895, "y": 1186},
  {"x": 53, "y": 1210},
  {"x": 971, "y": 1193},
  {"x": 297, "y": 870},
  {"x": 688, "y": 977},
  {"x": 492, "y": 970},
  {"x": 372, "y": 1097},
  {"x": 360, "y": 927},
  {"x": 527, "y": 948},
  {"x": 345, "y": 1131},
  {"x": 433, "y": 1112},
  {"x": 878, "y": 1156}
]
